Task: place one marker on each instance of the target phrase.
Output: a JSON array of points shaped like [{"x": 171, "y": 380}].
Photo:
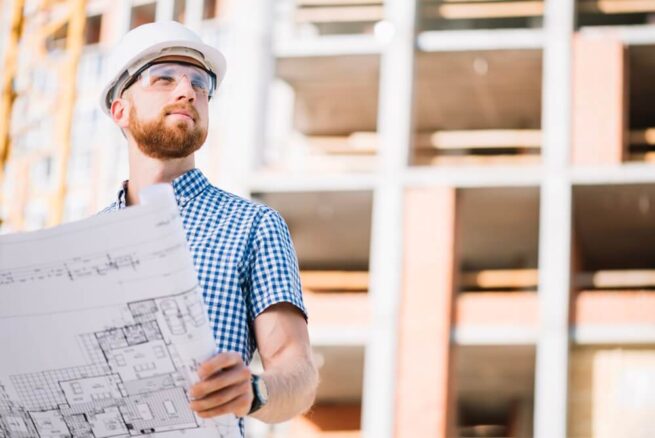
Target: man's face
[{"x": 167, "y": 123}]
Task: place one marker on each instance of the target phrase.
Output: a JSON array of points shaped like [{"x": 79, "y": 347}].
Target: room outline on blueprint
[
  {"x": 101, "y": 337},
  {"x": 134, "y": 385}
]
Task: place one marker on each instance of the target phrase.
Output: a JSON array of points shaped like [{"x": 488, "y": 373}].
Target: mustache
[{"x": 168, "y": 109}]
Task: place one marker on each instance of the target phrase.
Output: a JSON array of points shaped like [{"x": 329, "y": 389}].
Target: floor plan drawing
[{"x": 103, "y": 340}]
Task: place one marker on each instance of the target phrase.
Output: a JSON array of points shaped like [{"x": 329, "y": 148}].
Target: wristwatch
[{"x": 260, "y": 392}]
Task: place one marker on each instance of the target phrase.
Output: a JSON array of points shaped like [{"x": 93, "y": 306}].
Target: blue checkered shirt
[{"x": 243, "y": 254}]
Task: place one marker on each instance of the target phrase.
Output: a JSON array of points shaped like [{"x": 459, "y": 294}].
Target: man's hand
[
  {"x": 224, "y": 387},
  {"x": 289, "y": 372}
]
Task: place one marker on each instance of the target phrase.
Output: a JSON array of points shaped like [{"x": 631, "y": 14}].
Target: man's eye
[{"x": 162, "y": 80}]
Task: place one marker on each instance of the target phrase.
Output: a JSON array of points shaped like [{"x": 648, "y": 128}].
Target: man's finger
[
  {"x": 218, "y": 399},
  {"x": 217, "y": 363},
  {"x": 219, "y": 381},
  {"x": 238, "y": 406}
]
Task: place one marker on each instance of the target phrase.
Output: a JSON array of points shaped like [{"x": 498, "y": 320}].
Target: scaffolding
[
  {"x": 46, "y": 37},
  {"x": 8, "y": 95}
]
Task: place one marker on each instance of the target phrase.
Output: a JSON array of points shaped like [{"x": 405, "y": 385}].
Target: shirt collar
[
  {"x": 186, "y": 187},
  {"x": 121, "y": 197},
  {"x": 189, "y": 185}
]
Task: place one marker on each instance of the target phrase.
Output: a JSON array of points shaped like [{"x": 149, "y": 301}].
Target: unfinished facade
[{"x": 469, "y": 185}]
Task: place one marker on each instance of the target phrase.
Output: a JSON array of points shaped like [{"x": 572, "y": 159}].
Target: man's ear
[{"x": 120, "y": 112}]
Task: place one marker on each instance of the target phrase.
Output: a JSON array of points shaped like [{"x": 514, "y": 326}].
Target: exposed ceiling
[
  {"x": 615, "y": 226},
  {"x": 494, "y": 375},
  {"x": 642, "y": 87},
  {"x": 499, "y": 89},
  {"x": 455, "y": 90},
  {"x": 498, "y": 228},
  {"x": 335, "y": 95}
]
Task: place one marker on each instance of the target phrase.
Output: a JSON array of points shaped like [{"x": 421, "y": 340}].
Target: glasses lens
[{"x": 166, "y": 76}]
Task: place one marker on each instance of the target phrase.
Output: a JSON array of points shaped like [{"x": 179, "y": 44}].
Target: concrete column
[
  {"x": 245, "y": 89},
  {"x": 551, "y": 380},
  {"x": 116, "y": 23},
  {"x": 425, "y": 387},
  {"x": 600, "y": 100},
  {"x": 193, "y": 14},
  {"x": 395, "y": 131},
  {"x": 165, "y": 9}
]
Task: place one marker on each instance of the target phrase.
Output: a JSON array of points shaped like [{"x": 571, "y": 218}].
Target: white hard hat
[{"x": 150, "y": 41}]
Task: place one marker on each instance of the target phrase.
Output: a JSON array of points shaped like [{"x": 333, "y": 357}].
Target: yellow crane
[
  {"x": 7, "y": 95},
  {"x": 43, "y": 23}
]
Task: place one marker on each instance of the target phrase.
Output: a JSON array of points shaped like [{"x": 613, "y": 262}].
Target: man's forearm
[{"x": 291, "y": 391}]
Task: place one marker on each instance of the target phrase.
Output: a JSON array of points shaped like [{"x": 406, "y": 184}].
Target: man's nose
[{"x": 184, "y": 89}]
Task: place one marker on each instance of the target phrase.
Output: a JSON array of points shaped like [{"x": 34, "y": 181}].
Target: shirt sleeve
[{"x": 273, "y": 267}]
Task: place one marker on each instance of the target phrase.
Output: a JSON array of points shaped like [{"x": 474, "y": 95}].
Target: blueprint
[{"x": 102, "y": 326}]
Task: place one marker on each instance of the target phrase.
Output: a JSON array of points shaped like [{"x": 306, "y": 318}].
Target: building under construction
[{"x": 469, "y": 184}]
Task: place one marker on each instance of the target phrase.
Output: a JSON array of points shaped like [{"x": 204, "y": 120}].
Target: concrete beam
[
  {"x": 250, "y": 72},
  {"x": 470, "y": 40}
]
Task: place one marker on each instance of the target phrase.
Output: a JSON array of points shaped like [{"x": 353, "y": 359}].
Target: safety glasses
[{"x": 165, "y": 76}]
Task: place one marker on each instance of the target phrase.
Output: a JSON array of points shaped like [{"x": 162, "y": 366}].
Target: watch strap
[{"x": 257, "y": 401}]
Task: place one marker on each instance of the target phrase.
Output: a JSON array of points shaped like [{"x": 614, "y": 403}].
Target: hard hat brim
[{"x": 210, "y": 57}]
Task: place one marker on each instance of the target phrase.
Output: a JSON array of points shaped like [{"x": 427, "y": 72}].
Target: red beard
[{"x": 159, "y": 140}]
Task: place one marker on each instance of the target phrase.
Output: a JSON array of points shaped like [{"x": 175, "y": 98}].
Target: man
[{"x": 157, "y": 94}]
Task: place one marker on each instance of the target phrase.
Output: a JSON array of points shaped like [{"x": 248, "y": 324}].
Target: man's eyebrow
[{"x": 163, "y": 69}]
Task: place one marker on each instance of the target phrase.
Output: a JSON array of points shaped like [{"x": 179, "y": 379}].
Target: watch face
[{"x": 262, "y": 390}]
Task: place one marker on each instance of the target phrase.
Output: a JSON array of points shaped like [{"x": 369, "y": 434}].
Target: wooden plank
[
  {"x": 616, "y": 6},
  {"x": 334, "y": 280},
  {"x": 482, "y": 139},
  {"x": 500, "y": 278},
  {"x": 357, "y": 143},
  {"x": 301, "y": 3},
  {"x": 477, "y": 160},
  {"x": 642, "y": 137},
  {"x": 325, "y": 164},
  {"x": 460, "y": 11},
  {"x": 336, "y": 147},
  {"x": 616, "y": 279},
  {"x": 648, "y": 157},
  {"x": 475, "y": 1},
  {"x": 340, "y": 14},
  {"x": 367, "y": 142}
]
